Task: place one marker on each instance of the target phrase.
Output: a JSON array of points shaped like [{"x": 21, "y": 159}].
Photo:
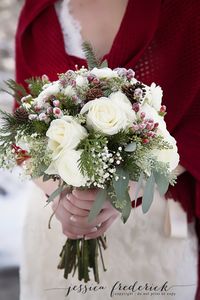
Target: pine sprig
[
  {"x": 92, "y": 60},
  {"x": 15, "y": 90},
  {"x": 35, "y": 85},
  {"x": 9, "y": 122}
]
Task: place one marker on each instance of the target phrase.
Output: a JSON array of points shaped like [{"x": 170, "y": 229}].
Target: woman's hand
[{"x": 73, "y": 209}]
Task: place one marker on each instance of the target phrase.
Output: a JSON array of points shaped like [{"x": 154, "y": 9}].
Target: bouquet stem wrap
[{"x": 81, "y": 256}]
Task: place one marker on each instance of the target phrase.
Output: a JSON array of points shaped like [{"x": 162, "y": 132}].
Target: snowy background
[{"x": 12, "y": 192}]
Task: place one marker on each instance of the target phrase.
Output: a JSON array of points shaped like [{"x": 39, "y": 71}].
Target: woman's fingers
[
  {"x": 73, "y": 213},
  {"x": 101, "y": 230},
  {"x": 69, "y": 226},
  {"x": 83, "y": 203},
  {"x": 80, "y": 203},
  {"x": 88, "y": 195},
  {"x": 104, "y": 215},
  {"x": 71, "y": 208}
]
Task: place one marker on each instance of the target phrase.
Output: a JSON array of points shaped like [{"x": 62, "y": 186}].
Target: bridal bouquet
[{"x": 91, "y": 128}]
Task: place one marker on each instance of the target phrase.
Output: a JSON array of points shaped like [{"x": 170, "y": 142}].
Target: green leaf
[
  {"x": 162, "y": 182},
  {"x": 121, "y": 185},
  {"x": 46, "y": 177},
  {"x": 56, "y": 193},
  {"x": 121, "y": 193},
  {"x": 130, "y": 147},
  {"x": 127, "y": 208},
  {"x": 97, "y": 205},
  {"x": 104, "y": 64},
  {"x": 148, "y": 194},
  {"x": 92, "y": 60},
  {"x": 139, "y": 185}
]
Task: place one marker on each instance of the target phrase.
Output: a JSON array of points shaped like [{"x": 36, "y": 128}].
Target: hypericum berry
[
  {"x": 163, "y": 109},
  {"x": 149, "y": 126},
  {"x": 145, "y": 141},
  {"x": 142, "y": 115},
  {"x": 45, "y": 77},
  {"x": 151, "y": 134},
  {"x": 49, "y": 110},
  {"x": 142, "y": 126},
  {"x": 42, "y": 117},
  {"x": 90, "y": 77},
  {"x": 57, "y": 112},
  {"x": 136, "y": 107},
  {"x": 96, "y": 80},
  {"x": 130, "y": 74},
  {"x": 70, "y": 73},
  {"x": 32, "y": 117},
  {"x": 56, "y": 103},
  {"x": 156, "y": 125},
  {"x": 135, "y": 127},
  {"x": 37, "y": 108},
  {"x": 121, "y": 71}
]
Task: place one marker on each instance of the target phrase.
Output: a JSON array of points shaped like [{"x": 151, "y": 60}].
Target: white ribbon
[{"x": 175, "y": 220}]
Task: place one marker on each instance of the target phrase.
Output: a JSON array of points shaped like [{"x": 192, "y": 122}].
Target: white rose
[
  {"x": 120, "y": 98},
  {"x": 81, "y": 81},
  {"x": 154, "y": 96},
  {"x": 104, "y": 73},
  {"x": 65, "y": 132},
  {"x": 66, "y": 166},
  {"x": 51, "y": 89},
  {"x": 105, "y": 115},
  {"x": 124, "y": 104}
]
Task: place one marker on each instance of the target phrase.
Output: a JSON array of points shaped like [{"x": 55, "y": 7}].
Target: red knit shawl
[{"x": 160, "y": 40}]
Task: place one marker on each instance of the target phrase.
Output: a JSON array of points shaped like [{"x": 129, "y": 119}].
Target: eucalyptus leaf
[
  {"x": 162, "y": 182},
  {"x": 121, "y": 185},
  {"x": 127, "y": 208},
  {"x": 56, "y": 193},
  {"x": 139, "y": 185},
  {"x": 148, "y": 193},
  {"x": 46, "y": 177},
  {"x": 97, "y": 205},
  {"x": 130, "y": 147}
]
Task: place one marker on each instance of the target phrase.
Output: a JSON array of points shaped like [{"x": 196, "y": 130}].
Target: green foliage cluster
[{"x": 92, "y": 145}]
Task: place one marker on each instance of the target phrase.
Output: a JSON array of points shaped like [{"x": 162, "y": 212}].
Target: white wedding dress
[{"x": 139, "y": 253}]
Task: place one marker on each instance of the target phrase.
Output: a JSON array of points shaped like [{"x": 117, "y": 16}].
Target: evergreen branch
[
  {"x": 35, "y": 85},
  {"x": 15, "y": 90},
  {"x": 92, "y": 60},
  {"x": 9, "y": 121}
]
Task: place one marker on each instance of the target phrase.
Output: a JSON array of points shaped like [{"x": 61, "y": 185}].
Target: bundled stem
[{"x": 82, "y": 255}]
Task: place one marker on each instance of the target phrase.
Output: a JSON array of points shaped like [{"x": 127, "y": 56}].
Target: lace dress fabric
[{"x": 138, "y": 251}]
